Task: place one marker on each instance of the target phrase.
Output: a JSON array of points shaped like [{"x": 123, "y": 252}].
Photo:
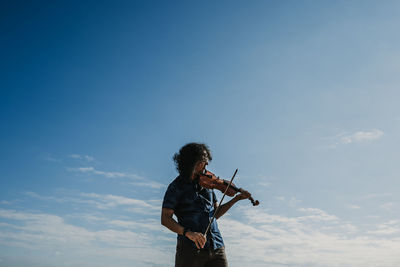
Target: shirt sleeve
[{"x": 171, "y": 197}]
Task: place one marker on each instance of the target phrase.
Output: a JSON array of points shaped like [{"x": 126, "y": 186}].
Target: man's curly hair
[{"x": 187, "y": 157}]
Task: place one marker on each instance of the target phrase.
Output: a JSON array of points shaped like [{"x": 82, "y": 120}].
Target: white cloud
[
  {"x": 361, "y": 136},
  {"x": 94, "y": 218},
  {"x": 265, "y": 184},
  {"x": 389, "y": 228},
  {"x": 105, "y": 174},
  {"x": 105, "y": 202},
  {"x": 293, "y": 202},
  {"x": 51, "y": 198},
  {"x": 152, "y": 224},
  {"x": 43, "y": 233},
  {"x": 316, "y": 214},
  {"x": 150, "y": 184},
  {"x": 81, "y": 157},
  {"x": 113, "y": 201},
  {"x": 317, "y": 239},
  {"x": 388, "y": 206},
  {"x": 356, "y": 137},
  {"x": 51, "y": 158},
  {"x": 139, "y": 181},
  {"x": 313, "y": 237},
  {"x": 353, "y": 207},
  {"x": 377, "y": 195}
]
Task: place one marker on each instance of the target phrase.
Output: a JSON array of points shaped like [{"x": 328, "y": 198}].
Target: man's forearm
[
  {"x": 198, "y": 238},
  {"x": 172, "y": 225},
  {"x": 225, "y": 207}
]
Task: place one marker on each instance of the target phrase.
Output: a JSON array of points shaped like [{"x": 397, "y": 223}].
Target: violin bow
[{"x": 220, "y": 202}]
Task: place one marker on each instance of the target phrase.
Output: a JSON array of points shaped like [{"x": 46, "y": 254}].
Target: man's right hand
[{"x": 198, "y": 238}]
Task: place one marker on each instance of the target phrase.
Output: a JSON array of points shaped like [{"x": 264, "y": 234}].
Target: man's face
[{"x": 201, "y": 165}]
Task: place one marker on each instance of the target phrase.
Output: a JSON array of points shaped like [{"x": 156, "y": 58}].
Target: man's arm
[
  {"x": 169, "y": 222},
  {"x": 225, "y": 207}
]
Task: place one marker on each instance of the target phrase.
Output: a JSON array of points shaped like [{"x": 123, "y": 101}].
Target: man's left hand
[{"x": 243, "y": 195}]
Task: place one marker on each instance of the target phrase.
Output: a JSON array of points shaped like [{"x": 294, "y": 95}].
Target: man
[{"x": 194, "y": 207}]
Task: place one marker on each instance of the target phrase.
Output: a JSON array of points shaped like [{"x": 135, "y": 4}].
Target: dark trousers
[{"x": 187, "y": 256}]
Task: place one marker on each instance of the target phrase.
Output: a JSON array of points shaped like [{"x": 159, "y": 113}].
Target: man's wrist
[{"x": 185, "y": 230}]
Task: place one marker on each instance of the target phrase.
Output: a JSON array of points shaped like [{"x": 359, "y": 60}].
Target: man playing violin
[{"x": 194, "y": 208}]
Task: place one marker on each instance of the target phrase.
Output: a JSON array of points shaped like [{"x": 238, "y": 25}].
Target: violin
[{"x": 208, "y": 180}]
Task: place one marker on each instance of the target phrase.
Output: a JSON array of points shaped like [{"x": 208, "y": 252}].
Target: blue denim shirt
[{"x": 194, "y": 208}]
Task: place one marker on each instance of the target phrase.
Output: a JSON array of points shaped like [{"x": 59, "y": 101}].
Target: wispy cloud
[
  {"x": 388, "y": 206},
  {"x": 75, "y": 245},
  {"x": 81, "y": 157},
  {"x": 361, "y": 136},
  {"x": 104, "y": 173},
  {"x": 51, "y": 158},
  {"x": 377, "y": 195},
  {"x": 153, "y": 225},
  {"x": 111, "y": 201},
  {"x": 150, "y": 184},
  {"x": 104, "y": 202},
  {"x": 91, "y": 170},
  {"x": 264, "y": 184},
  {"x": 389, "y": 228},
  {"x": 291, "y": 202},
  {"x": 315, "y": 239},
  {"x": 355, "y": 137},
  {"x": 316, "y": 214},
  {"x": 138, "y": 180},
  {"x": 353, "y": 207}
]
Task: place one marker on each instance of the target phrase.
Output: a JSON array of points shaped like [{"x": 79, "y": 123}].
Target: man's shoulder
[
  {"x": 177, "y": 182},
  {"x": 180, "y": 181}
]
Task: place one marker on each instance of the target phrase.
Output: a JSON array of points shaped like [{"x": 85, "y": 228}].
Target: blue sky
[{"x": 300, "y": 96}]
